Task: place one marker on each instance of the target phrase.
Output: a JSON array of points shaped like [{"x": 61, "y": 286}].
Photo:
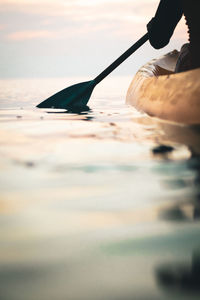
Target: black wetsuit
[{"x": 168, "y": 14}]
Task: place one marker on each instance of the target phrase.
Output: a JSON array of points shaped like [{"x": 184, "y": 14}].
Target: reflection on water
[
  {"x": 189, "y": 208},
  {"x": 182, "y": 277},
  {"x": 103, "y": 209}
]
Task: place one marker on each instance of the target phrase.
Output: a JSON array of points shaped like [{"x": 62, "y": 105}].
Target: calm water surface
[{"x": 89, "y": 206}]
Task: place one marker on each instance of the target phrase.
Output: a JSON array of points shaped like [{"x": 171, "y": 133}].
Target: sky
[{"x": 60, "y": 38}]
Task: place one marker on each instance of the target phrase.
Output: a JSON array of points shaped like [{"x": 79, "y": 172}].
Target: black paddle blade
[{"x": 72, "y": 97}]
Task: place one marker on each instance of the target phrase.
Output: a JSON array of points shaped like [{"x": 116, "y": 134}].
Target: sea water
[{"x": 90, "y": 205}]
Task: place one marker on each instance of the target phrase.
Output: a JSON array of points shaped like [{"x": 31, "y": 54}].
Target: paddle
[{"x": 78, "y": 95}]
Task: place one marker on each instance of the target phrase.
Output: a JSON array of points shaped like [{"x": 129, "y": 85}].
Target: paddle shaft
[{"x": 122, "y": 58}]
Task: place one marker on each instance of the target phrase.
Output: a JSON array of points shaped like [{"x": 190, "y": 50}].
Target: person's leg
[{"x": 184, "y": 60}]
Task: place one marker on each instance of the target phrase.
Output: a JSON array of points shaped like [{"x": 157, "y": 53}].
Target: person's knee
[{"x": 184, "y": 59}]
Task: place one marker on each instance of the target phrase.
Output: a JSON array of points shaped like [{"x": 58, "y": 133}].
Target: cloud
[
  {"x": 29, "y": 35},
  {"x": 40, "y": 33},
  {"x": 125, "y": 18},
  {"x": 79, "y": 8},
  {"x": 2, "y": 26},
  {"x": 62, "y": 19}
]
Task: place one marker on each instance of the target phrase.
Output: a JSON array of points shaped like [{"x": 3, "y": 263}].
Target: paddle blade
[{"x": 76, "y": 95}]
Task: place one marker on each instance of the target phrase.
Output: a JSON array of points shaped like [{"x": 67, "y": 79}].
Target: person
[{"x": 162, "y": 26}]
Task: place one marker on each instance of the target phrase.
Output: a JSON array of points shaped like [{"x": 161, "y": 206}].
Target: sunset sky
[{"x": 56, "y": 38}]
